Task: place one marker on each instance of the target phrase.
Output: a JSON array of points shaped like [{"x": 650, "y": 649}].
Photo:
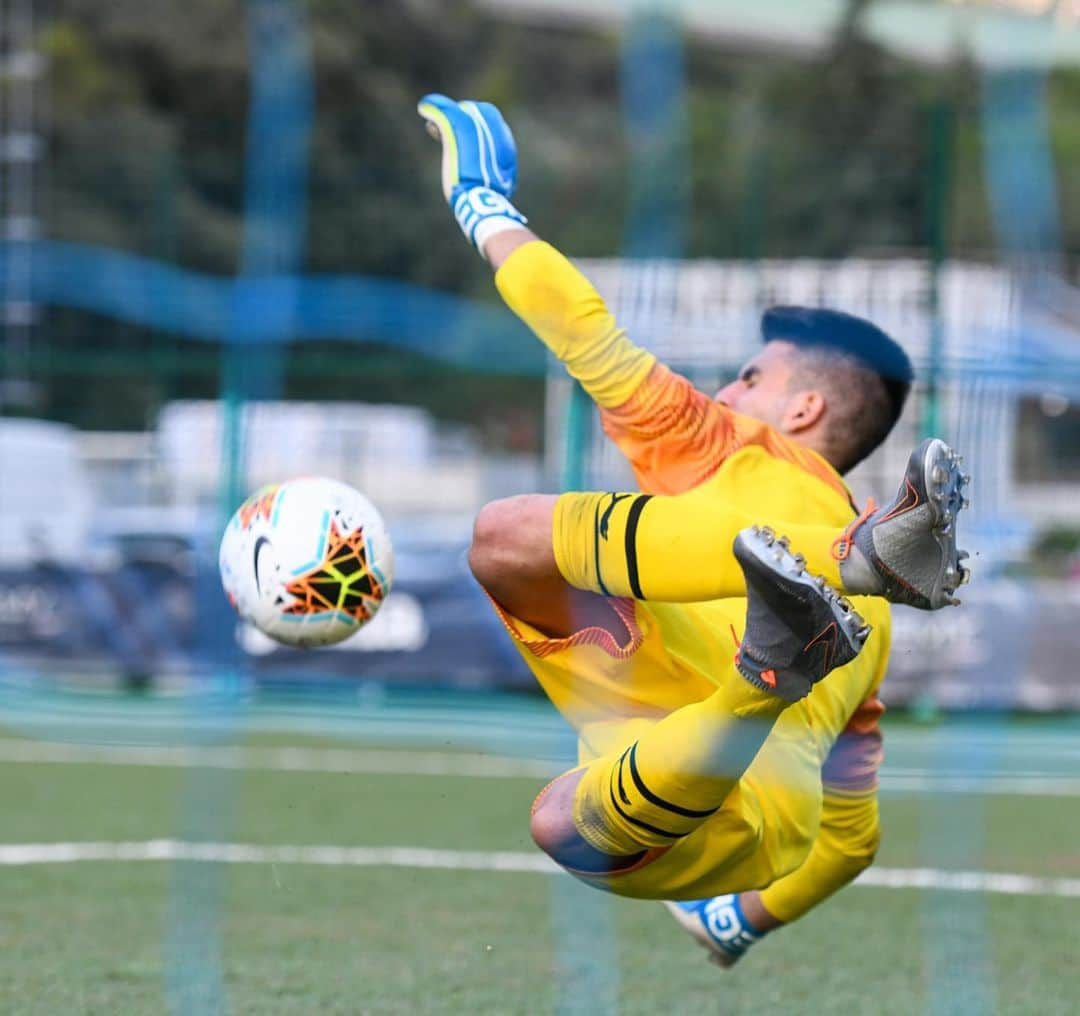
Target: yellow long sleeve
[
  {"x": 569, "y": 316},
  {"x": 845, "y": 845}
]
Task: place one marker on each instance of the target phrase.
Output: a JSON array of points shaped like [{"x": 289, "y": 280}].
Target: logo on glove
[{"x": 482, "y": 212}]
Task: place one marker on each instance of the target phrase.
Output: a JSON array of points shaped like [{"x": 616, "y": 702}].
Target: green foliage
[
  {"x": 1055, "y": 554},
  {"x": 1058, "y": 541},
  {"x": 824, "y": 155}
]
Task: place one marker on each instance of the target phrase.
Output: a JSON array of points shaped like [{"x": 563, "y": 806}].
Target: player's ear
[{"x": 804, "y": 409}]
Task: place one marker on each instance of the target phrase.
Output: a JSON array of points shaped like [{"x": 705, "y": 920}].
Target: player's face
[{"x": 762, "y": 389}]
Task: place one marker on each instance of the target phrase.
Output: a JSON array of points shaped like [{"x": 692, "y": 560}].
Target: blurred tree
[{"x": 820, "y": 155}]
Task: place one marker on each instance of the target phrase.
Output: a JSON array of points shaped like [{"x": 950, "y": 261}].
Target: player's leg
[
  {"x": 849, "y": 833},
  {"x": 621, "y": 811},
  {"x": 845, "y": 845},
  {"x": 677, "y": 549},
  {"x": 552, "y": 561},
  {"x": 527, "y": 551},
  {"x": 512, "y": 557}
]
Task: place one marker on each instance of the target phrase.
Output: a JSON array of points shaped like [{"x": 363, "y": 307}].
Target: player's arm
[
  {"x": 479, "y": 176},
  {"x": 850, "y": 830},
  {"x": 845, "y": 847},
  {"x": 846, "y": 842},
  {"x": 643, "y": 402}
]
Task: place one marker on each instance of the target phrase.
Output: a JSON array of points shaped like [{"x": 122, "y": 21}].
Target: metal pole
[
  {"x": 20, "y": 150},
  {"x": 939, "y": 178}
]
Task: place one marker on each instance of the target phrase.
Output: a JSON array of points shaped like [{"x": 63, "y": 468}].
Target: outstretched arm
[
  {"x": 845, "y": 846},
  {"x": 673, "y": 434}
]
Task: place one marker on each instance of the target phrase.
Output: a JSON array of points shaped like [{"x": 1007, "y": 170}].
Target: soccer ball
[{"x": 308, "y": 562}]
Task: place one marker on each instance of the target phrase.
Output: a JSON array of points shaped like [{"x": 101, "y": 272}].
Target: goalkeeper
[{"x": 724, "y": 700}]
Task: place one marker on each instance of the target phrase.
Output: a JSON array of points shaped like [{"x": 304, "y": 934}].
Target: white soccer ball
[{"x": 308, "y": 562}]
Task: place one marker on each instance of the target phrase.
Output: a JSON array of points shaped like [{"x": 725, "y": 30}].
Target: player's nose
[{"x": 727, "y": 395}]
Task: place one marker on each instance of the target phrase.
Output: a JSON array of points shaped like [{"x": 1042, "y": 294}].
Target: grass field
[{"x": 405, "y": 932}]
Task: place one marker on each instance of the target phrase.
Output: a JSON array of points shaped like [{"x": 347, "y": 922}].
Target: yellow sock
[
  {"x": 677, "y": 773},
  {"x": 673, "y": 549}
]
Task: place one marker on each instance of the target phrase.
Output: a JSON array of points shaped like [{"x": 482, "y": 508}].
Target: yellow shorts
[
  {"x": 663, "y": 662},
  {"x": 609, "y": 690}
]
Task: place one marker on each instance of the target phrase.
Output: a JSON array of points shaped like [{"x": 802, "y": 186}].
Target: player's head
[{"x": 830, "y": 380}]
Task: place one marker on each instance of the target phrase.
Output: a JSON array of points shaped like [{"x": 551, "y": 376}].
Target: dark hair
[{"x": 867, "y": 373}]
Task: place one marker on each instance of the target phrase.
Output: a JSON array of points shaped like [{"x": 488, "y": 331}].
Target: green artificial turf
[{"x": 114, "y": 937}]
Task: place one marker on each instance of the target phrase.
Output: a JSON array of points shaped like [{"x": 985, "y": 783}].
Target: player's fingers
[
  {"x": 498, "y": 140},
  {"x": 478, "y": 147},
  {"x": 436, "y": 100},
  {"x": 489, "y": 131},
  {"x": 438, "y": 112}
]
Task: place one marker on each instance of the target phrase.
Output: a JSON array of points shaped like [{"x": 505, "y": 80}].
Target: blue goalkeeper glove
[{"x": 479, "y": 165}]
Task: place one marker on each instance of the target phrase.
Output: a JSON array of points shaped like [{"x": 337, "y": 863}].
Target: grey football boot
[
  {"x": 906, "y": 550},
  {"x": 798, "y": 628}
]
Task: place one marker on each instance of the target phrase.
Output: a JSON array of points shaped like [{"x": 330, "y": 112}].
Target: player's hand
[
  {"x": 479, "y": 164},
  {"x": 478, "y": 147}
]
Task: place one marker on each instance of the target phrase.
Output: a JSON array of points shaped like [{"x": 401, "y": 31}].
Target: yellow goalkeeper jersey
[{"x": 680, "y": 441}]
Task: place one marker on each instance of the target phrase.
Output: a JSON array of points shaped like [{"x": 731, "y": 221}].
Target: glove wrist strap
[
  {"x": 728, "y": 926},
  {"x": 483, "y": 213}
]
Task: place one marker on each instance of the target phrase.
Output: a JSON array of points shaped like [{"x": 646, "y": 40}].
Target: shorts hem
[{"x": 592, "y": 636}]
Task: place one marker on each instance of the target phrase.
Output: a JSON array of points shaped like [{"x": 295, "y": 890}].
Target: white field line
[
  {"x": 307, "y": 760},
  {"x": 21, "y": 854},
  {"x": 969, "y": 882},
  {"x": 18, "y": 854},
  {"x": 1031, "y": 785},
  {"x": 418, "y": 763}
]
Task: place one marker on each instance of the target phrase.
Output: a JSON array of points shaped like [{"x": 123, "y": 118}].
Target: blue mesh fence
[{"x": 273, "y": 306}]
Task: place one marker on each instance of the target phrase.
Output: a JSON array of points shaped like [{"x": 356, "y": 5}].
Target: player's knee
[
  {"x": 489, "y": 538},
  {"x": 552, "y": 820},
  {"x": 511, "y": 540},
  {"x": 555, "y": 833},
  {"x": 550, "y": 832}
]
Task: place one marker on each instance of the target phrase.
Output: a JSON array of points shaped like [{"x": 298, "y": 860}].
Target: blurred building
[
  {"x": 995, "y": 32},
  {"x": 998, "y": 380},
  {"x": 406, "y": 461}
]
